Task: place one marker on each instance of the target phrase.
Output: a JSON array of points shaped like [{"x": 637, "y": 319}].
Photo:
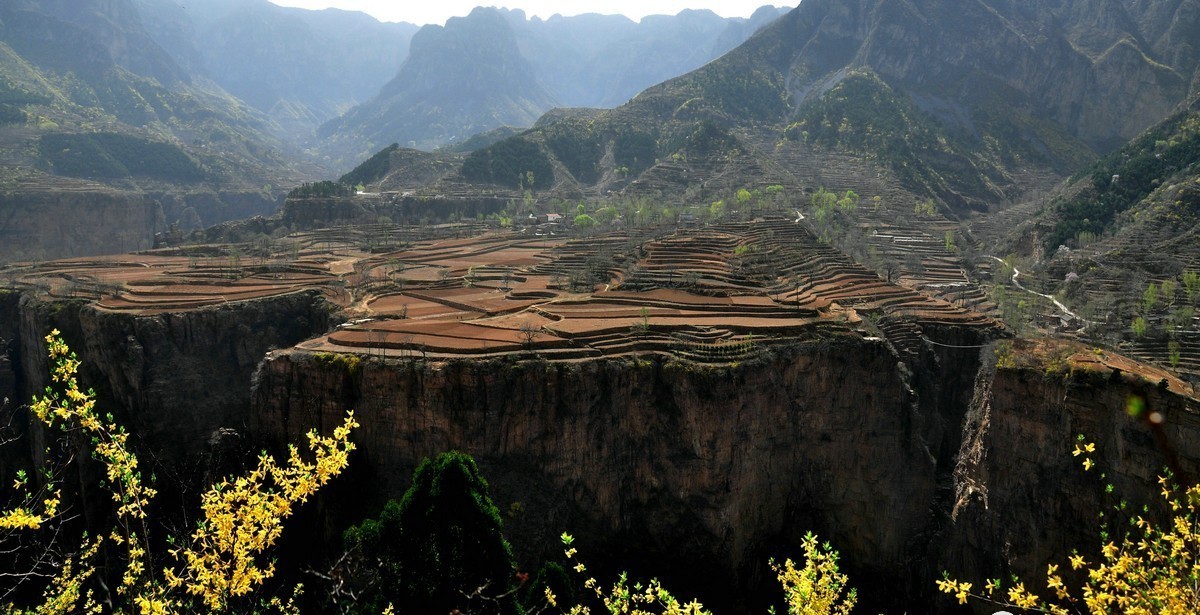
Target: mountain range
[
  {"x": 971, "y": 104},
  {"x": 497, "y": 68},
  {"x": 299, "y": 67}
]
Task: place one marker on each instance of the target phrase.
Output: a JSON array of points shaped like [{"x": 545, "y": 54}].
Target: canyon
[{"x": 688, "y": 433}]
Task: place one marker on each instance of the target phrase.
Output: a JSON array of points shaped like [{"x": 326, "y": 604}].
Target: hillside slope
[
  {"x": 969, "y": 103},
  {"x": 299, "y": 67}
]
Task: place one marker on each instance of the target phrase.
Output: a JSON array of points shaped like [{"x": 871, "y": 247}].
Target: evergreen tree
[{"x": 441, "y": 547}]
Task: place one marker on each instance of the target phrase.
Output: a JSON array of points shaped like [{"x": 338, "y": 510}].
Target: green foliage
[
  {"x": 373, "y": 169},
  {"x": 15, "y": 96},
  {"x": 113, "y": 155},
  {"x": 708, "y": 138},
  {"x": 742, "y": 85},
  {"x": 823, "y": 199},
  {"x": 11, "y": 114},
  {"x": 1191, "y": 285},
  {"x": 634, "y": 150},
  {"x": 584, "y": 222},
  {"x": 578, "y": 147},
  {"x": 849, "y": 201},
  {"x": 716, "y": 210},
  {"x": 439, "y": 544},
  {"x": 1127, "y": 176},
  {"x": 1140, "y": 327},
  {"x": 507, "y": 163},
  {"x": 1150, "y": 297},
  {"x": 342, "y": 361},
  {"x": 321, "y": 189}
]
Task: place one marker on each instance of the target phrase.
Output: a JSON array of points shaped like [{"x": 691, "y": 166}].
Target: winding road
[{"x": 1059, "y": 304}]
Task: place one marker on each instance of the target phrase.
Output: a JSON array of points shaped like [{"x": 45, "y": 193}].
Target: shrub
[{"x": 218, "y": 565}]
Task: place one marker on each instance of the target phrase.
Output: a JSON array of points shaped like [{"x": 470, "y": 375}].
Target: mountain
[
  {"x": 497, "y": 67},
  {"x": 299, "y": 67},
  {"x": 464, "y": 78},
  {"x": 1129, "y": 219},
  {"x": 85, "y": 37},
  {"x": 105, "y": 139},
  {"x": 90, "y": 67},
  {"x": 972, "y": 104},
  {"x": 604, "y": 60}
]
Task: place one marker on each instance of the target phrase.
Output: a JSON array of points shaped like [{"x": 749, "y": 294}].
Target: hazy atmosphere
[
  {"x": 421, "y": 13},
  {"x": 848, "y": 307}
]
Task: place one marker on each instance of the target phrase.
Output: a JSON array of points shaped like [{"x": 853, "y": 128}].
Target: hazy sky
[{"x": 423, "y": 11}]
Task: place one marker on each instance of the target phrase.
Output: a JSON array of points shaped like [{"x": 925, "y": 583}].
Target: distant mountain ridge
[
  {"x": 497, "y": 67},
  {"x": 602, "y": 61},
  {"x": 299, "y": 67},
  {"x": 964, "y": 102},
  {"x": 461, "y": 79}
]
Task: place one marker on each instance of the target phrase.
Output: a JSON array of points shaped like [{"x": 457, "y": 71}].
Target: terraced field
[{"x": 716, "y": 294}]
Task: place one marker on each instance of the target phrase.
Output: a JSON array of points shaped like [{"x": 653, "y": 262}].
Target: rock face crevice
[{"x": 1023, "y": 501}]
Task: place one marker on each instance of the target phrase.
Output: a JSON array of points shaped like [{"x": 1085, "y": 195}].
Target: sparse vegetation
[
  {"x": 113, "y": 155},
  {"x": 371, "y": 170}
]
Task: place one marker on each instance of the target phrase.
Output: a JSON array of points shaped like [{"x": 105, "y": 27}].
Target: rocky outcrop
[
  {"x": 696, "y": 474},
  {"x": 677, "y": 462},
  {"x": 48, "y": 224},
  {"x": 210, "y": 207},
  {"x": 1023, "y": 501},
  {"x": 174, "y": 378},
  {"x": 655, "y": 464}
]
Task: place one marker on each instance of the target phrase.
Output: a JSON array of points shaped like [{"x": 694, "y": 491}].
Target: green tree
[
  {"x": 1140, "y": 326},
  {"x": 1167, "y": 290},
  {"x": 1191, "y": 285},
  {"x": 823, "y": 199},
  {"x": 585, "y": 222},
  {"x": 439, "y": 549},
  {"x": 1150, "y": 297},
  {"x": 849, "y": 201},
  {"x": 716, "y": 210}
]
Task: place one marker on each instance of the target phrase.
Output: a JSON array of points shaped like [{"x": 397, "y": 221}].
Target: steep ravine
[{"x": 1022, "y": 500}]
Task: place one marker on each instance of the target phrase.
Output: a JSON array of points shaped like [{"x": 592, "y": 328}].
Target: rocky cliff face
[
  {"x": 954, "y": 469},
  {"x": 678, "y": 463},
  {"x": 1023, "y": 501},
  {"x": 694, "y": 474},
  {"x": 175, "y": 378},
  {"x": 52, "y": 224}
]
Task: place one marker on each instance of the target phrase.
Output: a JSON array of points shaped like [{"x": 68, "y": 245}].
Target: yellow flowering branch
[
  {"x": 242, "y": 517},
  {"x": 1153, "y": 569}
]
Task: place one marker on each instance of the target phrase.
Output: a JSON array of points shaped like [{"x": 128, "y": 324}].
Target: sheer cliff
[{"x": 910, "y": 465}]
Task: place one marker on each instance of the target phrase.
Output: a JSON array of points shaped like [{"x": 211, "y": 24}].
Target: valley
[{"x": 917, "y": 277}]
